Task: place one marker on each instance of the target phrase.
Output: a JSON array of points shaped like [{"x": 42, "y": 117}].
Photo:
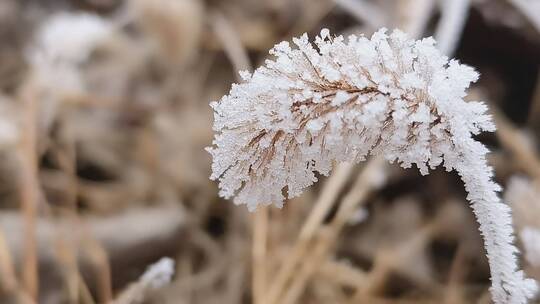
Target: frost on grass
[
  {"x": 156, "y": 276},
  {"x": 159, "y": 274},
  {"x": 345, "y": 99},
  {"x": 64, "y": 42}
]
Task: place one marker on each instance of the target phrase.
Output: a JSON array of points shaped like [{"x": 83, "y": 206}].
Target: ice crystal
[{"x": 346, "y": 99}]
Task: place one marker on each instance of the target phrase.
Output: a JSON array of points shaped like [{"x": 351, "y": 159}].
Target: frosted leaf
[{"x": 387, "y": 95}]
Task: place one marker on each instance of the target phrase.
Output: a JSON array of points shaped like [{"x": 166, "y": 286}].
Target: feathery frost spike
[{"x": 344, "y": 99}]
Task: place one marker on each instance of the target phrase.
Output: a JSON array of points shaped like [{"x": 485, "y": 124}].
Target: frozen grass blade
[{"x": 346, "y": 99}]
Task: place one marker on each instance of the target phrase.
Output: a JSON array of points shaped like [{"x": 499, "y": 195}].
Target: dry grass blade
[
  {"x": 329, "y": 194},
  {"x": 100, "y": 262},
  {"x": 8, "y": 280},
  {"x": 104, "y": 117},
  {"x": 366, "y": 181},
  {"x": 517, "y": 143},
  {"x": 232, "y": 44},
  {"x": 70, "y": 272},
  {"x": 260, "y": 235},
  {"x": 364, "y": 11},
  {"x": 342, "y": 273},
  {"x": 29, "y": 192},
  {"x": 454, "y": 14},
  {"x": 529, "y": 9},
  {"x": 415, "y": 15}
]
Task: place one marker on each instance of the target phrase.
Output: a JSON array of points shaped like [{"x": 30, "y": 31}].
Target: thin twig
[
  {"x": 323, "y": 205},
  {"x": 70, "y": 270},
  {"x": 361, "y": 188},
  {"x": 29, "y": 194},
  {"x": 100, "y": 260},
  {"x": 530, "y": 9},
  {"x": 260, "y": 235},
  {"x": 316, "y": 257},
  {"x": 415, "y": 16},
  {"x": 513, "y": 140},
  {"x": 232, "y": 44},
  {"x": 8, "y": 280},
  {"x": 342, "y": 273},
  {"x": 364, "y": 12}
]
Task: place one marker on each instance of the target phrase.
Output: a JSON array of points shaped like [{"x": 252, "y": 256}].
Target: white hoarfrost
[
  {"x": 158, "y": 274},
  {"x": 345, "y": 99}
]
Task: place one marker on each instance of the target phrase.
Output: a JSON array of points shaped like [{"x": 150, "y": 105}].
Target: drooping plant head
[{"x": 344, "y": 99}]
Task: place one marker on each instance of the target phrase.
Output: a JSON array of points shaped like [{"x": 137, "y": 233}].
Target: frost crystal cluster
[{"x": 341, "y": 100}]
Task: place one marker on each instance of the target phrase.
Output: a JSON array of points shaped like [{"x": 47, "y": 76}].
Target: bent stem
[{"x": 494, "y": 217}]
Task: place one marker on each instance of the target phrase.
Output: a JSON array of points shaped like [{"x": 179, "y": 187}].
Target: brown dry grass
[{"x": 103, "y": 180}]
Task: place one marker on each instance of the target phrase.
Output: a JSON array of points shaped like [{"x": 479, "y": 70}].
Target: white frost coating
[
  {"x": 70, "y": 37},
  {"x": 405, "y": 102},
  {"x": 63, "y": 42},
  {"x": 159, "y": 274}
]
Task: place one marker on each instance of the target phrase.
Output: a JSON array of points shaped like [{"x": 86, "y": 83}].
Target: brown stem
[{"x": 29, "y": 193}]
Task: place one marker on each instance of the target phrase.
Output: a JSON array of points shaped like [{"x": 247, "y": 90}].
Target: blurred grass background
[{"x": 104, "y": 116}]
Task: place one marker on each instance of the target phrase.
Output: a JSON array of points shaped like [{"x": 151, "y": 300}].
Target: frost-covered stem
[
  {"x": 346, "y": 100},
  {"x": 494, "y": 217}
]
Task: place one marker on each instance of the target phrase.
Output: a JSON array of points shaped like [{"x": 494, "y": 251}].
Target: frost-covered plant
[{"x": 349, "y": 98}]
